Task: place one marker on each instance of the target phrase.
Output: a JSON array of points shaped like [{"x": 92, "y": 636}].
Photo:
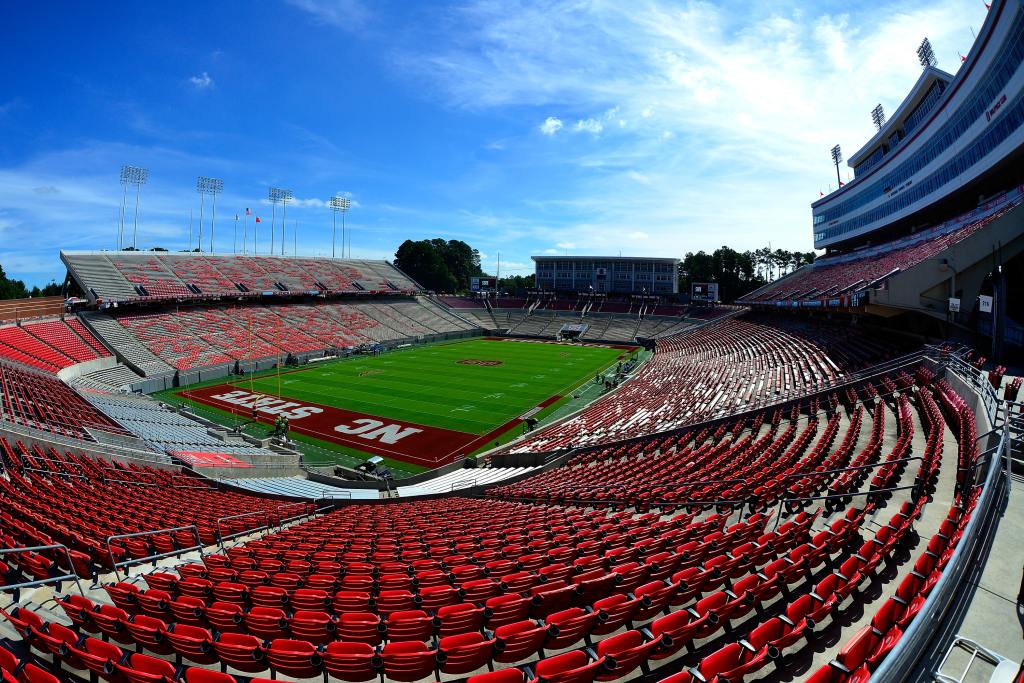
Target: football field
[{"x": 423, "y": 405}]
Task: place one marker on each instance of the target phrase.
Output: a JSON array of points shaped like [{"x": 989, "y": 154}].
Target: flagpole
[
  {"x": 234, "y": 238},
  {"x": 245, "y": 232}
]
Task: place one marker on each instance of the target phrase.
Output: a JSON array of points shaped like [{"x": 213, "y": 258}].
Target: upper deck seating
[{"x": 866, "y": 268}]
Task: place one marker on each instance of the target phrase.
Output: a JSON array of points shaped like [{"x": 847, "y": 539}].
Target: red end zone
[{"x": 406, "y": 441}]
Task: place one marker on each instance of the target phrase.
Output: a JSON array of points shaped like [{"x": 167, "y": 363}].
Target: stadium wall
[{"x": 79, "y": 369}]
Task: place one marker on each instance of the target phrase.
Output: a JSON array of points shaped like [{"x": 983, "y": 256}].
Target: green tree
[
  {"x": 517, "y": 284},
  {"x": 11, "y": 289}
]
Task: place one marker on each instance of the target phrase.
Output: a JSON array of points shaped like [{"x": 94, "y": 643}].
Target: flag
[
  {"x": 987, "y": 5},
  {"x": 236, "y": 216},
  {"x": 962, "y": 58},
  {"x": 820, "y": 193},
  {"x": 841, "y": 183},
  {"x": 248, "y": 212},
  {"x": 257, "y": 219}
]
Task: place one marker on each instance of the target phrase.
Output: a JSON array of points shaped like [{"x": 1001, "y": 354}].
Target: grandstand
[{"x": 811, "y": 485}]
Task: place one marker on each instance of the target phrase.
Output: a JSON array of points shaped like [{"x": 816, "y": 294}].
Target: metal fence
[
  {"x": 69, "y": 576},
  {"x": 116, "y": 566}
]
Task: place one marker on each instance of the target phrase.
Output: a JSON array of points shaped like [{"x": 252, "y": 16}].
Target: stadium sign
[
  {"x": 704, "y": 291},
  {"x": 482, "y": 284}
]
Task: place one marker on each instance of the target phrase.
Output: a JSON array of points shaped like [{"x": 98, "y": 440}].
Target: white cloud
[
  {"x": 343, "y": 14},
  {"x": 638, "y": 235},
  {"x": 202, "y": 81},
  {"x": 550, "y": 251},
  {"x": 592, "y": 126},
  {"x": 719, "y": 96},
  {"x": 551, "y": 125},
  {"x": 566, "y": 245}
]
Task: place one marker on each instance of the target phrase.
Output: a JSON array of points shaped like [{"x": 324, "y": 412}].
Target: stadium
[{"x": 235, "y": 467}]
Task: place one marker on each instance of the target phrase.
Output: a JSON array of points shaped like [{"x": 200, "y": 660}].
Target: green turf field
[{"x": 429, "y": 386}]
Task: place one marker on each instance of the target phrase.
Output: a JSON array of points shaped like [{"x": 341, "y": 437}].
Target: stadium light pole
[
  {"x": 926, "y": 55},
  {"x": 208, "y": 186},
  {"x": 275, "y": 195},
  {"x": 202, "y": 201},
  {"x": 339, "y": 203},
  {"x": 124, "y": 200},
  {"x": 837, "y": 156},
  {"x": 286, "y": 196},
  {"x": 133, "y": 175},
  {"x": 878, "y": 116}
]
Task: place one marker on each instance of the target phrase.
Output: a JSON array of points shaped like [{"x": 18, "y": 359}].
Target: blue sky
[{"x": 646, "y": 128}]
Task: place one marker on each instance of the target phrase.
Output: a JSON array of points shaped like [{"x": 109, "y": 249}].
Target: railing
[
  {"x": 305, "y": 512},
  {"x": 462, "y": 484},
  {"x": 929, "y": 352},
  {"x": 115, "y": 565},
  {"x": 71, "y": 576},
  {"x": 335, "y": 495},
  {"x": 929, "y": 624},
  {"x": 723, "y": 503},
  {"x": 255, "y": 513}
]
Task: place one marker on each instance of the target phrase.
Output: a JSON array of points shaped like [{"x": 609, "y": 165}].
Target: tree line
[
  {"x": 739, "y": 272},
  {"x": 438, "y": 264},
  {"x": 447, "y": 266},
  {"x": 16, "y": 289}
]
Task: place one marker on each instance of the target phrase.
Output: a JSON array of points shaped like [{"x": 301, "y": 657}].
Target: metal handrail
[
  {"x": 139, "y": 560},
  {"x": 55, "y": 473},
  {"x": 900, "y": 662},
  {"x": 281, "y": 521},
  {"x": 220, "y": 534},
  {"x": 851, "y": 468},
  {"x": 710, "y": 503},
  {"x": 928, "y": 352},
  {"x": 331, "y": 495},
  {"x": 39, "y": 582}
]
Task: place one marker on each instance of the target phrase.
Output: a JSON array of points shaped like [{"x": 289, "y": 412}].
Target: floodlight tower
[
  {"x": 339, "y": 203},
  {"x": 926, "y": 55},
  {"x": 275, "y": 195},
  {"x": 878, "y": 116},
  {"x": 837, "y": 156},
  {"x": 208, "y": 186},
  {"x": 132, "y": 175},
  {"x": 286, "y": 196}
]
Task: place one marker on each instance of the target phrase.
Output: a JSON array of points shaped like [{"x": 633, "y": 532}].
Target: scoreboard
[
  {"x": 482, "y": 284},
  {"x": 704, "y": 291}
]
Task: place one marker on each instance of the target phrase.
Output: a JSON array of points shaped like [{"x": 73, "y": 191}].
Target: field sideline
[{"x": 424, "y": 405}]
